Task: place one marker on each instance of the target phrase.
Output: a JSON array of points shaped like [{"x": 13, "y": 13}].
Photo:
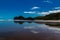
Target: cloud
[
  {"x": 46, "y": 13},
  {"x": 57, "y": 8},
  {"x": 35, "y": 7},
  {"x": 54, "y": 11},
  {"x": 47, "y": 1},
  {"x": 29, "y": 12}
]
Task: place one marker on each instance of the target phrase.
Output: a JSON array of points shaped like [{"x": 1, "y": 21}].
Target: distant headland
[{"x": 51, "y": 16}]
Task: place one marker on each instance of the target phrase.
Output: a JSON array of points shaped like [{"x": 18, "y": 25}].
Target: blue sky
[{"x": 27, "y": 8}]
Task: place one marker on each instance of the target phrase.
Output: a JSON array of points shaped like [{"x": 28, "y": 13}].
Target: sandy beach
[{"x": 34, "y": 20}]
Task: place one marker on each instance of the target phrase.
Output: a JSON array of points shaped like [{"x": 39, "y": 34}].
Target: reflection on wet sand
[
  {"x": 50, "y": 23},
  {"x": 53, "y": 24},
  {"x": 47, "y": 23},
  {"x": 21, "y": 22},
  {"x": 28, "y": 35},
  {"x": 30, "y": 31}
]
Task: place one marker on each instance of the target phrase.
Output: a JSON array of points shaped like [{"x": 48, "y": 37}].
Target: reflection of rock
[
  {"x": 50, "y": 23},
  {"x": 29, "y": 21},
  {"x": 53, "y": 24},
  {"x": 20, "y": 22}
]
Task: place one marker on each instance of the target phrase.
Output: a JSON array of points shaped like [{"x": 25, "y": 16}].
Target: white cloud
[
  {"x": 43, "y": 13},
  {"x": 35, "y": 7},
  {"x": 46, "y": 13},
  {"x": 47, "y": 1},
  {"x": 29, "y": 12},
  {"x": 57, "y": 8},
  {"x": 54, "y": 11}
]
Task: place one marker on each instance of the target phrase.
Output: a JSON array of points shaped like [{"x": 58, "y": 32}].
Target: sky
[{"x": 27, "y": 8}]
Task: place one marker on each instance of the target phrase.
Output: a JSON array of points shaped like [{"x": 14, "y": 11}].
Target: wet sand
[
  {"x": 26, "y": 35},
  {"x": 28, "y": 31}
]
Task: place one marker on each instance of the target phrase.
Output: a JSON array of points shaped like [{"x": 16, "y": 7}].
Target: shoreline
[
  {"x": 33, "y": 20},
  {"x": 47, "y": 20}
]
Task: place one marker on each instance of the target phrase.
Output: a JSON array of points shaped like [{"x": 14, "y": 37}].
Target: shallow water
[{"x": 28, "y": 31}]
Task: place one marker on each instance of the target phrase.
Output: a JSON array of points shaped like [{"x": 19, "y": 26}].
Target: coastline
[
  {"x": 47, "y": 20},
  {"x": 34, "y": 20}
]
